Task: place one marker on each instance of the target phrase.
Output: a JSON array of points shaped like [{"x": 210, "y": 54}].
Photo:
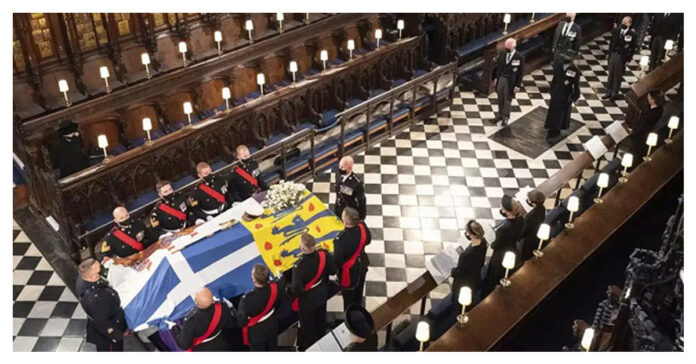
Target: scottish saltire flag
[{"x": 222, "y": 262}]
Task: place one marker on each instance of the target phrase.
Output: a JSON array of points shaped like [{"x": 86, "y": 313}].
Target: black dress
[
  {"x": 564, "y": 90},
  {"x": 468, "y": 271},
  {"x": 532, "y": 220},
  {"x": 505, "y": 240}
]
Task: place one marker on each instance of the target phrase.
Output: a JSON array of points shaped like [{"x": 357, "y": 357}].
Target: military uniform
[
  {"x": 621, "y": 49},
  {"x": 566, "y": 42},
  {"x": 208, "y": 197},
  {"x": 125, "y": 240},
  {"x": 508, "y": 75},
  {"x": 243, "y": 180},
  {"x": 310, "y": 278},
  {"x": 257, "y": 316},
  {"x": 203, "y": 330},
  {"x": 170, "y": 214},
  {"x": 350, "y": 192},
  {"x": 106, "y": 320},
  {"x": 352, "y": 262}
]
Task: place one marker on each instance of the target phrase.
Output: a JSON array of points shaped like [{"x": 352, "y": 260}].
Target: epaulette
[
  {"x": 105, "y": 247},
  {"x": 192, "y": 201}
]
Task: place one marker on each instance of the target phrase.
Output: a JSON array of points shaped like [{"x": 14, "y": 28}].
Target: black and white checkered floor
[{"x": 422, "y": 186}]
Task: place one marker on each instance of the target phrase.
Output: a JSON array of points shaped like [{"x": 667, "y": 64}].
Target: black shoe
[
  {"x": 505, "y": 122},
  {"x": 606, "y": 97}
]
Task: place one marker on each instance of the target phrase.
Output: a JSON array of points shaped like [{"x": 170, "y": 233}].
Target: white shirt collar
[{"x": 345, "y": 176}]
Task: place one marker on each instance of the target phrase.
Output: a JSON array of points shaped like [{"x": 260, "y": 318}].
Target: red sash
[
  {"x": 172, "y": 211},
  {"x": 308, "y": 286},
  {"x": 212, "y": 193},
  {"x": 345, "y": 269},
  {"x": 120, "y": 235},
  {"x": 254, "y": 320},
  {"x": 242, "y": 173},
  {"x": 213, "y": 324}
]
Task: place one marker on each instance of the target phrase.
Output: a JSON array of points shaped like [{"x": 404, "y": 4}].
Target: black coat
[
  {"x": 512, "y": 70},
  {"x": 505, "y": 240},
  {"x": 532, "y": 220},
  {"x": 69, "y": 156},
  {"x": 163, "y": 221},
  {"x": 200, "y": 200},
  {"x": 666, "y": 27},
  {"x": 564, "y": 90},
  {"x": 112, "y": 246},
  {"x": 303, "y": 271},
  {"x": 624, "y": 45},
  {"x": 345, "y": 246},
  {"x": 351, "y": 193},
  {"x": 241, "y": 188},
  {"x": 646, "y": 125},
  {"x": 568, "y": 44},
  {"x": 252, "y": 304},
  {"x": 196, "y": 323},
  {"x": 468, "y": 269},
  {"x": 106, "y": 320}
]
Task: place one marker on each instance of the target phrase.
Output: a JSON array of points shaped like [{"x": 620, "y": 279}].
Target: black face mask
[
  {"x": 467, "y": 236},
  {"x": 342, "y": 171},
  {"x": 168, "y": 198},
  {"x": 209, "y": 178},
  {"x": 502, "y": 212},
  {"x": 624, "y": 26},
  {"x": 568, "y": 19},
  {"x": 126, "y": 222}
]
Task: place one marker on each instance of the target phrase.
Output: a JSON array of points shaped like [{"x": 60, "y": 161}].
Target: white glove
[
  {"x": 170, "y": 324},
  {"x": 168, "y": 234},
  {"x": 208, "y": 218},
  {"x": 199, "y": 221}
]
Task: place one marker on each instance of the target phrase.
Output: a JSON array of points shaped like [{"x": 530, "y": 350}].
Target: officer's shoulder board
[
  {"x": 192, "y": 201},
  {"x": 105, "y": 247},
  {"x": 356, "y": 177}
]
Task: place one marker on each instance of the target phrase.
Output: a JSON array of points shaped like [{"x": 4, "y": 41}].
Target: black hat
[
  {"x": 359, "y": 321},
  {"x": 506, "y": 201},
  {"x": 67, "y": 127}
]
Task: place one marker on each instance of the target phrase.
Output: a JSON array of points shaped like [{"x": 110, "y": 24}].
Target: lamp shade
[
  {"x": 669, "y": 44},
  {"x": 324, "y": 55},
  {"x": 188, "y": 108},
  {"x": 627, "y": 160},
  {"x": 464, "y": 298},
  {"x": 182, "y": 47},
  {"x": 102, "y": 141},
  {"x": 573, "y": 203},
  {"x": 652, "y": 140},
  {"x": 400, "y": 24},
  {"x": 147, "y": 124},
  {"x": 63, "y": 86},
  {"x": 293, "y": 66},
  {"x": 506, "y": 18},
  {"x": 249, "y": 25},
  {"x": 509, "y": 260},
  {"x": 673, "y": 122},
  {"x": 544, "y": 231},
  {"x": 145, "y": 58},
  {"x": 423, "y": 331},
  {"x": 351, "y": 44},
  {"x": 378, "y": 33},
  {"x": 603, "y": 180},
  {"x": 644, "y": 61},
  {"x": 280, "y": 17},
  {"x": 226, "y": 94},
  {"x": 218, "y": 36},
  {"x": 587, "y": 337},
  {"x": 260, "y": 79},
  {"x": 104, "y": 72}
]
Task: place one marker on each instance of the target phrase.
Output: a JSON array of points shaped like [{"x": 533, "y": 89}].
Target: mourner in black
[
  {"x": 257, "y": 312},
  {"x": 69, "y": 152},
  {"x": 362, "y": 329},
  {"x": 106, "y": 321},
  {"x": 243, "y": 179},
  {"x": 506, "y": 238},
  {"x": 565, "y": 90},
  {"x": 350, "y": 256},
  {"x": 349, "y": 189},
  {"x": 203, "y": 328},
  {"x": 310, "y": 278},
  {"x": 127, "y": 237},
  {"x": 621, "y": 49},
  {"x": 468, "y": 270},
  {"x": 508, "y": 78},
  {"x": 566, "y": 40},
  {"x": 170, "y": 213},
  {"x": 663, "y": 27},
  {"x": 646, "y": 124},
  {"x": 532, "y": 219},
  {"x": 209, "y": 198}
]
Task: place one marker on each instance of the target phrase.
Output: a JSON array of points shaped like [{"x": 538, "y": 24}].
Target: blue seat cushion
[
  {"x": 275, "y": 138},
  {"x": 399, "y": 82},
  {"x": 142, "y": 200},
  {"x": 401, "y": 112},
  {"x": 423, "y": 101},
  {"x": 376, "y": 92},
  {"x": 253, "y": 150},
  {"x": 292, "y": 165},
  {"x": 354, "y": 101},
  {"x": 335, "y": 62},
  {"x": 330, "y": 146},
  {"x": 328, "y": 117},
  {"x": 378, "y": 123},
  {"x": 208, "y": 113},
  {"x": 312, "y": 72},
  {"x": 120, "y": 149},
  {"x": 181, "y": 182},
  {"x": 280, "y": 84},
  {"x": 156, "y": 134},
  {"x": 353, "y": 135},
  {"x": 218, "y": 165},
  {"x": 270, "y": 176},
  {"x": 134, "y": 143},
  {"x": 419, "y": 72},
  {"x": 98, "y": 221},
  {"x": 305, "y": 125}
]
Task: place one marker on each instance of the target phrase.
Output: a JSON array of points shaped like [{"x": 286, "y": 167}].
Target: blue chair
[
  {"x": 216, "y": 166},
  {"x": 354, "y": 101},
  {"x": 142, "y": 200},
  {"x": 305, "y": 125},
  {"x": 275, "y": 138},
  {"x": 328, "y": 117},
  {"x": 270, "y": 176},
  {"x": 181, "y": 182},
  {"x": 376, "y": 92},
  {"x": 399, "y": 82}
]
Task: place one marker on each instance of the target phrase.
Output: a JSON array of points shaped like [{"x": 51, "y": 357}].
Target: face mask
[
  {"x": 169, "y": 198},
  {"x": 568, "y": 19},
  {"x": 529, "y": 203},
  {"x": 342, "y": 171},
  {"x": 209, "y": 178},
  {"x": 502, "y": 213},
  {"x": 126, "y": 222},
  {"x": 623, "y": 26},
  {"x": 467, "y": 236}
]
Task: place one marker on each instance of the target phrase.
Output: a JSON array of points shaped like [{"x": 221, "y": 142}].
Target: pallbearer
[
  {"x": 508, "y": 78},
  {"x": 257, "y": 312},
  {"x": 349, "y": 189},
  {"x": 350, "y": 256},
  {"x": 208, "y": 199},
  {"x": 127, "y": 237},
  {"x": 621, "y": 49},
  {"x": 566, "y": 41},
  {"x": 203, "y": 328},
  {"x": 170, "y": 214},
  {"x": 243, "y": 180}
]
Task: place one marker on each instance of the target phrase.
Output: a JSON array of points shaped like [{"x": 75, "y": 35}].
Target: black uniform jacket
[
  {"x": 200, "y": 201},
  {"x": 346, "y": 245},
  {"x": 115, "y": 246},
  {"x": 252, "y": 304},
  {"x": 106, "y": 320},
  {"x": 242, "y": 187},
  {"x": 351, "y": 193},
  {"x": 196, "y": 323},
  {"x": 170, "y": 214},
  {"x": 304, "y": 270}
]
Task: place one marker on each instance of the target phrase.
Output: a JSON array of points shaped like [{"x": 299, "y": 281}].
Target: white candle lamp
[
  {"x": 280, "y": 17},
  {"x": 532, "y": 19},
  {"x": 324, "y": 56},
  {"x": 260, "y": 80},
  {"x": 147, "y": 126},
  {"x": 587, "y": 338},
  {"x": 145, "y": 60},
  {"x": 249, "y": 26},
  {"x": 506, "y": 20},
  {"x": 464, "y": 299},
  {"x": 508, "y": 263},
  {"x": 573, "y": 205},
  {"x": 307, "y": 18},
  {"x": 104, "y": 73},
  {"x": 669, "y": 44},
  {"x": 63, "y": 87},
  {"x": 650, "y": 142},
  {"x": 351, "y": 47},
  {"x": 183, "y": 49},
  {"x": 602, "y": 183},
  {"x": 378, "y": 36},
  {"x": 400, "y": 26},
  {"x": 422, "y": 333},
  {"x": 543, "y": 234},
  {"x": 218, "y": 39},
  {"x": 188, "y": 109},
  {"x": 672, "y": 125},
  {"x": 293, "y": 70},
  {"x": 626, "y": 163},
  {"x": 103, "y": 144},
  {"x": 644, "y": 62},
  {"x": 226, "y": 94}
]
